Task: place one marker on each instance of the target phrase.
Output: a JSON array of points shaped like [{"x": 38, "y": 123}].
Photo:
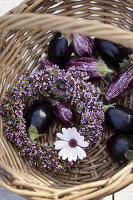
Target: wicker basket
[{"x": 25, "y": 33}]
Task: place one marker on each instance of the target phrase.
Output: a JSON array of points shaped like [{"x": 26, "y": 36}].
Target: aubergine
[
  {"x": 59, "y": 50},
  {"x": 96, "y": 69},
  {"x": 46, "y": 63},
  {"x": 83, "y": 45},
  {"x": 40, "y": 115},
  {"x": 118, "y": 145},
  {"x": 64, "y": 114},
  {"x": 119, "y": 118},
  {"x": 113, "y": 54},
  {"x": 121, "y": 84}
]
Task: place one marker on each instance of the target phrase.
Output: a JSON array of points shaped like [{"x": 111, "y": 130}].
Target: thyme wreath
[{"x": 50, "y": 83}]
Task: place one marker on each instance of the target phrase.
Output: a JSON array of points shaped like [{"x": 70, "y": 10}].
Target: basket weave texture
[{"x": 24, "y": 35}]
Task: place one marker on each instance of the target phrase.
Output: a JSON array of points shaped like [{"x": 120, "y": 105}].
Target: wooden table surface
[{"x": 125, "y": 194}]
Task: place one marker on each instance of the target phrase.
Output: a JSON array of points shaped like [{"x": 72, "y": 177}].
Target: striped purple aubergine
[
  {"x": 45, "y": 62},
  {"x": 83, "y": 45},
  {"x": 121, "y": 84},
  {"x": 95, "y": 68}
]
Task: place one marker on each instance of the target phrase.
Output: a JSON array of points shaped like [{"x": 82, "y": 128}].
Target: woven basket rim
[{"x": 35, "y": 20}]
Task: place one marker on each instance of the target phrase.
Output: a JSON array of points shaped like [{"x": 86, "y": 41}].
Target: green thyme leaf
[
  {"x": 125, "y": 63},
  {"x": 129, "y": 155},
  {"x": 33, "y": 133}
]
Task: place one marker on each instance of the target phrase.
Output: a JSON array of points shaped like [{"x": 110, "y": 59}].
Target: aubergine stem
[
  {"x": 131, "y": 57},
  {"x": 54, "y": 101},
  {"x": 129, "y": 155},
  {"x": 106, "y": 107},
  {"x": 68, "y": 37},
  {"x": 103, "y": 69}
]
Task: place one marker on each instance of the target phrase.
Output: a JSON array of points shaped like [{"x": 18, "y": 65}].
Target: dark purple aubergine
[
  {"x": 118, "y": 145},
  {"x": 46, "y": 63},
  {"x": 95, "y": 68},
  {"x": 59, "y": 50},
  {"x": 63, "y": 113},
  {"x": 120, "y": 118},
  {"x": 40, "y": 115},
  {"x": 83, "y": 45},
  {"x": 113, "y": 54},
  {"x": 121, "y": 84}
]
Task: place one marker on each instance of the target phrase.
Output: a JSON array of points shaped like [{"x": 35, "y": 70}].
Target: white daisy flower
[{"x": 70, "y": 144}]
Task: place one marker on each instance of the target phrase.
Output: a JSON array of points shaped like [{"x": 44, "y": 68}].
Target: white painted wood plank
[{"x": 6, "y": 5}]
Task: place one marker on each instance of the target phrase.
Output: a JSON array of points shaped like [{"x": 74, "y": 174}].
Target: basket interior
[{"x": 22, "y": 50}]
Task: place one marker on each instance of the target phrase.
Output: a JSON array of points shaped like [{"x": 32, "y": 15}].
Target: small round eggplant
[
  {"x": 64, "y": 113},
  {"x": 120, "y": 118},
  {"x": 113, "y": 54},
  {"x": 118, "y": 145},
  {"x": 40, "y": 115},
  {"x": 59, "y": 50}
]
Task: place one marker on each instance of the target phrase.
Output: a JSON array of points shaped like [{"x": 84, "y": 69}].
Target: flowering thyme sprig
[{"x": 51, "y": 82}]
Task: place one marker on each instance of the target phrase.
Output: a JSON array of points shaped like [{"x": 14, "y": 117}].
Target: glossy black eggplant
[
  {"x": 113, "y": 54},
  {"x": 118, "y": 145},
  {"x": 120, "y": 118},
  {"x": 121, "y": 84},
  {"x": 40, "y": 115},
  {"x": 59, "y": 50}
]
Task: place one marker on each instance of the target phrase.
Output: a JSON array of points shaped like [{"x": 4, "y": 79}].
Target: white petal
[
  {"x": 83, "y": 144},
  {"x": 75, "y": 135},
  {"x": 67, "y": 133},
  {"x": 70, "y": 130},
  {"x": 74, "y": 154},
  {"x": 70, "y": 156},
  {"x": 81, "y": 152},
  {"x": 81, "y": 137},
  {"x": 66, "y": 151},
  {"x": 60, "y": 144},
  {"x": 64, "y": 131},
  {"x": 72, "y": 135},
  {"x": 80, "y": 157},
  {"x": 74, "y": 130},
  {"x": 62, "y": 137},
  {"x": 61, "y": 152}
]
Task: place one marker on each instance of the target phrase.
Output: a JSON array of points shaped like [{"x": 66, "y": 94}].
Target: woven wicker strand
[
  {"x": 67, "y": 24},
  {"x": 25, "y": 33},
  {"x": 84, "y": 191}
]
